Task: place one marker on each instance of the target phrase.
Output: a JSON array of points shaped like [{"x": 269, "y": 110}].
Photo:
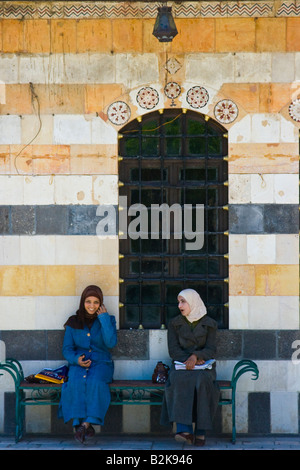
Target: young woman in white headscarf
[{"x": 191, "y": 396}]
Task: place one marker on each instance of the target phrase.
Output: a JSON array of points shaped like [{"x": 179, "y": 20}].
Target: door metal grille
[{"x": 170, "y": 158}]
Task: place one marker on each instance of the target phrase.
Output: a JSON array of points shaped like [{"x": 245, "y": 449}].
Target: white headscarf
[{"x": 198, "y": 309}]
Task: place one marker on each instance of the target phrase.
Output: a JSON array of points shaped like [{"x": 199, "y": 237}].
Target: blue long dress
[{"x": 86, "y": 394}]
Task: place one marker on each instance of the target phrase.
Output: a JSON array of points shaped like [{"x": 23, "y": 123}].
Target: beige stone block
[
  {"x": 57, "y": 98},
  {"x": 237, "y": 249},
  {"x": 77, "y": 250},
  {"x": 284, "y": 412},
  {"x": 263, "y": 158},
  {"x": 108, "y": 249},
  {"x": 13, "y": 35},
  {"x": 289, "y": 312},
  {"x": 4, "y": 159},
  {"x": 264, "y": 312},
  {"x": 9, "y": 68},
  {"x": 59, "y": 280},
  {"x": 102, "y": 132},
  {"x": 99, "y": 97},
  {"x": 37, "y": 36},
  {"x": 136, "y": 419},
  {"x": 286, "y": 189},
  {"x": 21, "y": 161},
  {"x": 265, "y": 128},
  {"x": 38, "y": 419},
  {"x": 277, "y": 280},
  {"x": 293, "y": 34},
  {"x": 106, "y": 277},
  {"x": 235, "y": 34},
  {"x": 238, "y": 312},
  {"x": 10, "y": 250},
  {"x": 105, "y": 189},
  {"x": 94, "y": 35},
  {"x": 63, "y": 35},
  {"x": 288, "y": 131},
  {"x": 262, "y": 189},
  {"x": 22, "y": 280},
  {"x": 240, "y": 132},
  {"x": 94, "y": 159},
  {"x": 245, "y": 94},
  {"x": 17, "y": 100},
  {"x": 283, "y": 67},
  {"x": 38, "y": 190},
  {"x": 241, "y": 280},
  {"x": 251, "y": 67},
  {"x": 51, "y": 312},
  {"x": 126, "y": 66},
  {"x": 73, "y": 189},
  {"x": 11, "y": 190},
  {"x": 239, "y": 189},
  {"x": 37, "y": 250},
  {"x": 51, "y": 159},
  {"x": 21, "y": 313},
  {"x": 189, "y": 39},
  {"x": 37, "y": 131},
  {"x": 271, "y": 34},
  {"x": 287, "y": 249},
  {"x": 261, "y": 249},
  {"x": 10, "y": 129},
  {"x": 214, "y": 69}
]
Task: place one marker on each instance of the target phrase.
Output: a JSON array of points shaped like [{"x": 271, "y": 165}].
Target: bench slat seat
[{"x": 123, "y": 392}]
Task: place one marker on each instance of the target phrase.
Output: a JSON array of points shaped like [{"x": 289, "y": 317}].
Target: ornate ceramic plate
[
  {"x": 197, "y": 97},
  {"x": 118, "y": 113},
  {"x": 226, "y": 111},
  {"x": 147, "y": 97}
]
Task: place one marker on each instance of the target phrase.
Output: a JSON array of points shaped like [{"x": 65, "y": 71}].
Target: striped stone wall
[{"x": 63, "y": 68}]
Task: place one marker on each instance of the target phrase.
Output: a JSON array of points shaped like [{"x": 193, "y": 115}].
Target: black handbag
[{"x": 160, "y": 373}]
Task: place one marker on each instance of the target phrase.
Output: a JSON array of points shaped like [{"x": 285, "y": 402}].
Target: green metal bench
[{"x": 123, "y": 392}]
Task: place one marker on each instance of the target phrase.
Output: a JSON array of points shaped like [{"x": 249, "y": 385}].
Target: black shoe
[
  {"x": 80, "y": 433},
  {"x": 90, "y": 432}
]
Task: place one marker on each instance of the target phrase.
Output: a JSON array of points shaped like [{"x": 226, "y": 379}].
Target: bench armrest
[
  {"x": 242, "y": 367},
  {"x": 14, "y": 368}
]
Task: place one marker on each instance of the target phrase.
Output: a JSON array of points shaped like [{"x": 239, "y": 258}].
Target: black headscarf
[{"x": 82, "y": 317}]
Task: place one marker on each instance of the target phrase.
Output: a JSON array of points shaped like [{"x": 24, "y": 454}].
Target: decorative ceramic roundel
[
  {"x": 147, "y": 97},
  {"x": 294, "y": 110},
  {"x": 118, "y": 113},
  {"x": 172, "y": 90},
  {"x": 197, "y": 97},
  {"x": 226, "y": 111}
]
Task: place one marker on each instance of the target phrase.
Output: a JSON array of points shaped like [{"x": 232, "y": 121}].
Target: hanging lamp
[{"x": 164, "y": 28}]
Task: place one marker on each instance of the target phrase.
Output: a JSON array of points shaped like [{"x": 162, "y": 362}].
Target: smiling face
[
  {"x": 91, "y": 305},
  {"x": 183, "y": 306}
]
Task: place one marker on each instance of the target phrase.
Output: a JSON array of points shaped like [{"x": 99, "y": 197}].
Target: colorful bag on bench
[
  {"x": 46, "y": 375},
  {"x": 57, "y": 376},
  {"x": 160, "y": 373}
]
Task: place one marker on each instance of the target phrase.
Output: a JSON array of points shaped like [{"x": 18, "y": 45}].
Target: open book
[{"x": 207, "y": 365}]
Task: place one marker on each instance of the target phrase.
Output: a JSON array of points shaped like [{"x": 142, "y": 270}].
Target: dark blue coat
[{"x": 86, "y": 394}]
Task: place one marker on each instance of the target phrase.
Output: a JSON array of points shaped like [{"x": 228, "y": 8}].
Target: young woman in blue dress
[{"x": 89, "y": 336}]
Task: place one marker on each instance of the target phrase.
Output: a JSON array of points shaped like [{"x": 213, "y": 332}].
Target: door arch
[{"x": 173, "y": 157}]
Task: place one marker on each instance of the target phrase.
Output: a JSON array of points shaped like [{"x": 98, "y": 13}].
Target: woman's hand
[
  {"x": 84, "y": 363},
  {"x": 101, "y": 309},
  {"x": 200, "y": 362},
  {"x": 191, "y": 362}
]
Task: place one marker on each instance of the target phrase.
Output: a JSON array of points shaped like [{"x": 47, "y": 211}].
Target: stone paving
[{"x": 148, "y": 443}]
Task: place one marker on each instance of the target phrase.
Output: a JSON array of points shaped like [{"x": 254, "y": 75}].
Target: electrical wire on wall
[{"x": 36, "y": 107}]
